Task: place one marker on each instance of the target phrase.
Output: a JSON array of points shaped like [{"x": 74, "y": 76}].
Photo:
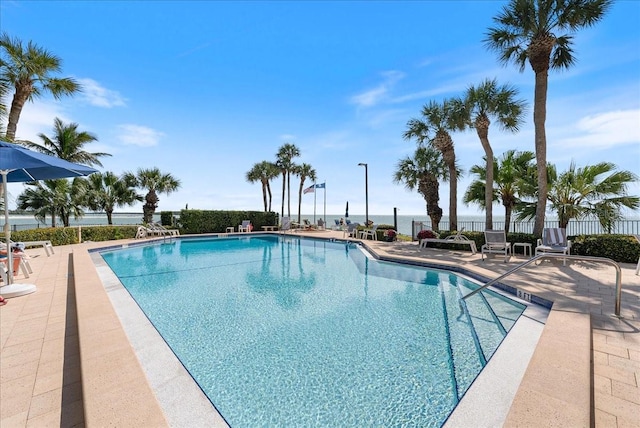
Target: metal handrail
[{"x": 562, "y": 256}]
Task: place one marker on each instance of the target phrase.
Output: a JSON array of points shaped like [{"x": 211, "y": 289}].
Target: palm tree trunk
[
  {"x": 264, "y": 195},
  {"x": 289, "y": 194},
  {"x": 17, "y": 104},
  {"x": 539, "y": 118},
  {"x": 300, "y": 199},
  {"x": 482, "y": 129},
  {"x": 507, "y": 218},
  {"x": 284, "y": 185},
  {"x": 109, "y": 217},
  {"x": 270, "y": 195}
]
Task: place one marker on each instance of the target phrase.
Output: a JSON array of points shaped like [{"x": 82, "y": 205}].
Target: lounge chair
[
  {"x": 496, "y": 243},
  {"x": 47, "y": 245},
  {"x": 458, "y": 238},
  {"x": 307, "y": 224},
  {"x": 554, "y": 241},
  {"x": 245, "y": 226},
  {"x": 370, "y": 233}
]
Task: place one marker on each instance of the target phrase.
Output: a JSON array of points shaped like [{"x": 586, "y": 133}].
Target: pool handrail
[{"x": 561, "y": 256}]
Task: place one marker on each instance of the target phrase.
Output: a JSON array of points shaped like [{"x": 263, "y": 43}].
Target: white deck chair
[
  {"x": 286, "y": 225},
  {"x": 370, "y": 233},
  {"x": 554, "y": 241},
  {"x": 496, "y": 243},
  {"x": 638, "y": 267},
  {"x": 245, "y": 226}
]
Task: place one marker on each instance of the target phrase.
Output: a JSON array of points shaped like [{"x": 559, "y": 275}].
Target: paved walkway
[{"x": 40, "y": 382}]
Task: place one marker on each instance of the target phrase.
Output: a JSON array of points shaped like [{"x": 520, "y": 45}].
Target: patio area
[{"x": 66, "y": 361}]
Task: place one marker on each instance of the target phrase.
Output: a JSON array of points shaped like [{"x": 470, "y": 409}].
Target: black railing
[{"x": 575, "y": 227}]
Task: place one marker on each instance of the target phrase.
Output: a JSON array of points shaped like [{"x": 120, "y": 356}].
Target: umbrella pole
[
  {"x": 7, "y": 229},
  {"x": 10, "y": 289}
]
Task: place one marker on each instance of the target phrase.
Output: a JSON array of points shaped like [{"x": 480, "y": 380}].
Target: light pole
[{"x": 366, "y": 191}]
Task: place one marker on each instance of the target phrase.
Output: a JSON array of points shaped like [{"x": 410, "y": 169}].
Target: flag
[
  {"x": 309, "y": 189},
  {"x": 320, "y": 186}
]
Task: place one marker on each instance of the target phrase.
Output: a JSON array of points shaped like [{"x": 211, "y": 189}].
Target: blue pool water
[{"x": 282, "y": 331}]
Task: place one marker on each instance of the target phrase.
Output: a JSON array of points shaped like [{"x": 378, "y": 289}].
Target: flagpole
[
  {"x": 325, "y": 203},
  {"x": 314, "y": 202}
]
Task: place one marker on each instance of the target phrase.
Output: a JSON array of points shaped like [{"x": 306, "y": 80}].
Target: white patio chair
[
  {"x": 554, "y": 241},
  {"x": 496, "y": 243}
]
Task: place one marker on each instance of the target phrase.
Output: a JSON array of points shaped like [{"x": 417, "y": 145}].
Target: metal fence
[{"x": 575, "y": 227}]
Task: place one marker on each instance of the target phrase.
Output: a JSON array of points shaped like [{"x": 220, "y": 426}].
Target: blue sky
[{"x": 205, "y": 89}]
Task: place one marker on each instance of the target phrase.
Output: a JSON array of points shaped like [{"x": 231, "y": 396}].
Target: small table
[
  {"x": 230, "y": 229},
  {"x": 526, "y": 248},
  {"x": 270, "y": 228}
]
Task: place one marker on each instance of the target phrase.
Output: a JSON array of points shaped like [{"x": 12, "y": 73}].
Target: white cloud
[
  {"x": 379, "y": 93},
  {"x": 97, "y": 95},
  {"x": 139, "y": 135},
  {"x": 606, "y": 130}
]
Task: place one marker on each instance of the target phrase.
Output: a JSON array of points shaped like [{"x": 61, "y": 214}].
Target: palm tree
[
  {"x": 30, "y": 71},
  {"x": 303, "y": 171},
  {"x": 510, "y": 184},
  {"x": 481, "y": 104},
  {"x": 264, "y": 172},
  {"x": 104, "y": 192},
  {"x": 438, "y": 120},
  {"x": 423, "y": 171},
  {"x": 67, "y": 144},
  {"x": 598, "y": 191},
  {"x": 285, "y": 163},
  {"x": 154, "y": 182},
  {"x": 533, "y": 30},
  {"x": 58, "y": 197}
]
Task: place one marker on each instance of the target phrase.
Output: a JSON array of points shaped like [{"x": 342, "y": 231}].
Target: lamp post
[{"x": 366, "y": 191}]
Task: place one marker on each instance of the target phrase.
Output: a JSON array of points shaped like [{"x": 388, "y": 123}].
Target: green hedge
[
  {"x": 69, "y": 235},
  {"x": 619, "y": 248},
  {"x": 201, "y": 221}
]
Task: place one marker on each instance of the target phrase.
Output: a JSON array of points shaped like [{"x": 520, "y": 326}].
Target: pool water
[{"x": 284, "y": 331}]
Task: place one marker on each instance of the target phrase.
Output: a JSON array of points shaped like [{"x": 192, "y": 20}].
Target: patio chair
[
  {"x": 496, "y": 243},
  {"x": 370, "y": 233},
  {"x": 554, "y": 241},
  {"x": 286, "y": 225},
  {"x": 245, "y": 226},
  {"x": 637, "y": 267},
  {"x": 351, "y": 230},
  {"x": 307, "y": 224}
]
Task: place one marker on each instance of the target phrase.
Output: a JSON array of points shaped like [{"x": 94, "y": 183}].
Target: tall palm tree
[
  {"x": 303, "y": 171},
  {"x": 264, "y": 172},
  {"x": 57, "y": 198},
  {"x": 434, "y": 127},
  {"x": 285, "y": 163},
  {"x": 541, "y": 32},
  {"x": 30, "y": 72},
  {"x": 510, "y": 184},
  {"x": 67, "y": 143},
  {"x": 598, "y": 191},
  {"x": 490, "y": 100},
  {"x": 104, "y": 192},
  {"x": 424, "y": 171},
  {"x": 154, "y": 182}
]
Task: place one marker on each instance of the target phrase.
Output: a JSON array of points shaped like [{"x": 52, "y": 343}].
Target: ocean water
[{"x": 404, "y": 222}]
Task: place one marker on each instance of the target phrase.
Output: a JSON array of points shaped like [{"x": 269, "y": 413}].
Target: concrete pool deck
[{"x": 66, "y": 361}]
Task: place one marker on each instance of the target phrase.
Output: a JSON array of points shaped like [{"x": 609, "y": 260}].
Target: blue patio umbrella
[{"x": 19, "y": 164}]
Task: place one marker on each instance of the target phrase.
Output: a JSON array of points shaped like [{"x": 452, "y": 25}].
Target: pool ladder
[{"x": 562, "y": 256}]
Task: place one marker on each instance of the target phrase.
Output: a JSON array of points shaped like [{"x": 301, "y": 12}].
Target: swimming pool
[{"x": 304, "y": 332}]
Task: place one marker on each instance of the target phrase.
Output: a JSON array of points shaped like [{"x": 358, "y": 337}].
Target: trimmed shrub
[
  {"x": 201, "y": 221},
  {"x": 620, "y": 248}
]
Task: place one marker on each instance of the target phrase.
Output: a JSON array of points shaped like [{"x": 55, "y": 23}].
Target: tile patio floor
[{"x": 40, "y": 372}]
